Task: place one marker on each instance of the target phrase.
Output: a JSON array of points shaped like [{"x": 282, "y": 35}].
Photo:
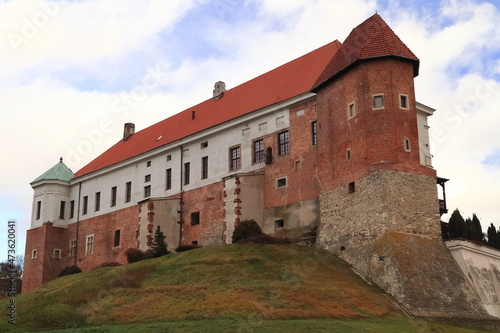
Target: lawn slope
[{"x": 241, "y": 287}]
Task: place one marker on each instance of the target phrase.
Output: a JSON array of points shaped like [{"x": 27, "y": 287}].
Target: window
[
  {"x": 194, "y": 242},
  {"x": 204, "y": 167},
  {"x": 38, "y": 209},
  {"x": 283, "y": 143},
  {"x": 98, "y": 201},
  {"x": 85, "y": 204},
  {"x": 148, "y": 164},
  {"x": 378, "y": 101},
  {"x": 147, "y": 178},
  {"x": 348, "y": 154},
  {"x": 116, "y": 243},
  {"x": 258, "y": 151},
  {"x": 128, "y": 191},
  {"x": 204, "y": 144},
  {"x": 72, "y": 209},
  {"x": 235, "y": 158},
  {"x": 281, "y": 182},
  {"x": 314, "y": 133},
  {"x": 89, "y": 244},
  {"x": 72, "y": 248},
  {"x": 407, "y": 145},
  {"x": 279, "y": 224},
  {"x": 351, "y": 187},
  {"x": 169, "y": 157},
  {"x": 113, "y": 196},
  {"x": 34, "y": 254},
  {"x": 403, "y": 101},
  {"x": 195, "y": 218},
  {"x": 62, "y": 209},
  {"x": 147, "y": 191},
  {"x": 57, "y": 253},
  {"x": 351, "y": 110},
  {"x": 168, "y": 179},
  {"x": 187, "y": 172},
  {"x": 268, "y": 158}
]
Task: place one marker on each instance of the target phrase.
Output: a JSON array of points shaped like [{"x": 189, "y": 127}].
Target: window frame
[
  {"x": 89, "y": 244},
  {"x": 38, "y": 212},
  {"x": 128, "y": 192},
  {"x": 97, "y": 206},
  {"x": 62, "y": 209},
  {"x": 85, "y": 204},
  {"x": 284, "y": 143},
  {"x": 72, "y": 249},
  {"x": 72, "y": 209},
  {"x": 57, "y": 251},
  {"x": 168, "y": 179},
  {"x": 187, "y": 173},
  {"x": 147, "y": 191},
  {"x": 204, "y": 167},
  {"x": 258, "y": 151},
  {"x": 117, "y": 238},
  {"x": 375, "y": 97},
  {"x": 407, "y": 101},
  {"x": 282, "y": 179},
  {"x": 195, "y": 218},
  {"x": 114, "y": 191},
  {"x": 235, "y": 158},
  {"x": 351, "y": 110}
]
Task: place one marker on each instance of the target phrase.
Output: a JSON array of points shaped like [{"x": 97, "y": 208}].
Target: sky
[{"x": 73, "y": 72}]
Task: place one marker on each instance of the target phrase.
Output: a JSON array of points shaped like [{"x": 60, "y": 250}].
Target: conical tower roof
[
  {"x": 371, "y": 39},
  {"x": 58, "y": 172}
]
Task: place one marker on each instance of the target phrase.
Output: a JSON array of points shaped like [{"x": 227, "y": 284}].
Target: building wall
[{"x": 481, "y": 265}]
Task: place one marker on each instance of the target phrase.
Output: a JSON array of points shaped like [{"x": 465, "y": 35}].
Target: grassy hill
[{"x": 233, "y": 288}]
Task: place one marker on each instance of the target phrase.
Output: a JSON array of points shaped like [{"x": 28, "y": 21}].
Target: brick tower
[{"x": 378, "y": 202}]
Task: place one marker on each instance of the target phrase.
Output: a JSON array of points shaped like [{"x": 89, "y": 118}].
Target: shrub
[
  {"x": 246, "y": 229},
  {"x": 134, "y": 255},
  {"x": 70, "y": 270},
  {"x": 187, "y": 247}
]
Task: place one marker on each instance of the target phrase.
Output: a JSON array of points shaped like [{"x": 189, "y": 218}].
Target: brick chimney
[{"x": 128, "y": 130}]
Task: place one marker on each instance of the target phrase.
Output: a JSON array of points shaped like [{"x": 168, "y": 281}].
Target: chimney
[
  {"x": 219, "y": 89},
  {"x": 128, "y": 130}
]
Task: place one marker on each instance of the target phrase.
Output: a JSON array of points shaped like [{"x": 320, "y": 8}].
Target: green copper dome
[{"x": 58, "y": 172}]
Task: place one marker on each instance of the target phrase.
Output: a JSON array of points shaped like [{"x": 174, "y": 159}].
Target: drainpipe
[
  {"x": 78, "y": 219},
  {"x": 181, "y": 211}
]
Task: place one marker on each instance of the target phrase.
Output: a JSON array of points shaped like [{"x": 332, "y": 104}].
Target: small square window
[
  {"x": 281, "y": 182},
  {"x": 378, "y": 102},
  {"x": 34, "y": 253},
  {"x": 351, "y": 188},
  {"x": 169, "y": 157},
  {"x": 195, "y": 218},
  {"x": 351, "y": 110},
  {"x": 148, "y": 164},
  {"x": 403, "y": 101},
  {"x": 279, "y": 224},
  {"x": 57, "y": 253},
  {"x": 204, "y": 145}
]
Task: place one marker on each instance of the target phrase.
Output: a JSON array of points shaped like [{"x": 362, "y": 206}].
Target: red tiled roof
[
  {"x": 371, "y": 39},
  {"x": 291, "y": 79}
]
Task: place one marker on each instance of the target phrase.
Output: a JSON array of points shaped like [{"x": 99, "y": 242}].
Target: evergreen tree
[
  {"x": 476, "y": 231},
  {"x": 457, "y": 225},
  {"x": 493, "y": 237},
  {"x": 159, "y": 247}
]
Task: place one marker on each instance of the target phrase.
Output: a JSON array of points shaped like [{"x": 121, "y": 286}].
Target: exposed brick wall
[
  {"x": 299, "y": 166},
  {"x": 45, "y": 266},
  {"x": 207, "y": 200},
  {"x": 374, "y": 137}
]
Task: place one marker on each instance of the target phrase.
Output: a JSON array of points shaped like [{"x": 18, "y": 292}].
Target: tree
[
  {"x": 10, "y": 270},
  {"x": 457, "y": 225},
  {"x": 159, "y": 247},
  {"x": 475, "y": 231},
  {"x": 493, "y": 237}
]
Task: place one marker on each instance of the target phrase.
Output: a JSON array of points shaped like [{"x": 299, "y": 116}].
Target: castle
[{"x": 334, "y": 139}]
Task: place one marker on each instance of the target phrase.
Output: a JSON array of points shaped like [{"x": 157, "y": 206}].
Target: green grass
[{"x": 233, "y": 288}]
